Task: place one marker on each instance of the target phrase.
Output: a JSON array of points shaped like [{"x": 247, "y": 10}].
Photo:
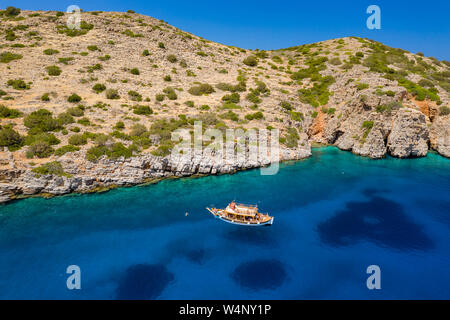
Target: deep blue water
[{"x": 335, "y": 214}]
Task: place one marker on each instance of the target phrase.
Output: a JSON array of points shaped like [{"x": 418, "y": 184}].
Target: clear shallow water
[{"x": 335, "y": 214}]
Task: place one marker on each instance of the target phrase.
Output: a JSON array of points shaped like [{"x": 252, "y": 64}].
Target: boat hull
[{"x": 249, "y": 224}]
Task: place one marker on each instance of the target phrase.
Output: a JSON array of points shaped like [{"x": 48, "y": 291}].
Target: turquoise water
[{"x": 335, "y": 214}]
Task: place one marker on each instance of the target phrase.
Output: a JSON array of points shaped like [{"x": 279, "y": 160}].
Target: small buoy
[{"x": 186, "y": 214}]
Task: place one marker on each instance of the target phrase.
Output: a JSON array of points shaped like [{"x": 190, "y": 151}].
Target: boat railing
[{"x": 246, "y": 205}]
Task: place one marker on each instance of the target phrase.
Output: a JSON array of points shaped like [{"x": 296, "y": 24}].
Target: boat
[{"x": 242, "y": 214}]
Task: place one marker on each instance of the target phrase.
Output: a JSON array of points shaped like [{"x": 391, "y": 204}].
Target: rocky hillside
[{"x": 95, "y": 107}]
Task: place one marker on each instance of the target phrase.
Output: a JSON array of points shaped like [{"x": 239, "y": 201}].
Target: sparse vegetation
[
  {"x": 6, "y": 57},
  {"x": 6, "y": 112},
  {"x": 18, "y": 84},
  {"x": 74, "y": 98},
  {"x": 201, "y": 89},
  {"x": 50, "y": 168},
  {"x": 99, "y": 87},
  {"x": 112, "y": 94},
  {"x": 53, "y": 71},
  {"x": 251, "y": 61}
]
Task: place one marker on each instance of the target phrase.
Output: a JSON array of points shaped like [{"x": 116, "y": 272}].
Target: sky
[{"x": 416, "y": 26}]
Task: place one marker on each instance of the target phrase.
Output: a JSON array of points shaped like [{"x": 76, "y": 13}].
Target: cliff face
[{"x": 96, "y": 107}]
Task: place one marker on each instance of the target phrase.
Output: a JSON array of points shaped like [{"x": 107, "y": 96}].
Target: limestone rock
[{"x": 409, "y": 136}]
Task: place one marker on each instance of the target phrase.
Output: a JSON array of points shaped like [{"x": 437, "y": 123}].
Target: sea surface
[{"x": 335, "y": 215}]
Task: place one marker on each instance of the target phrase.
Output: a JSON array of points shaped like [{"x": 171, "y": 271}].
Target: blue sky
[{"x": 412, "y": 25}]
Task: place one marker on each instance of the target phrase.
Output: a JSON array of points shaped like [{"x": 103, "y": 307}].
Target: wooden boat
[{"x": 238, "y": 213}]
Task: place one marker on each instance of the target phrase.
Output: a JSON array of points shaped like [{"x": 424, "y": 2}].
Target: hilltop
[{"x": 91, "y": 108}]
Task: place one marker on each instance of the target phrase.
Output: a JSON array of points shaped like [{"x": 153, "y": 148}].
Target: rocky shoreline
[{"x": 111, "y": 173}]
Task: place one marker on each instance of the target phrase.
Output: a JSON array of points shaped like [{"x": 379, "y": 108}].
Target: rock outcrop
[{"x": 409, "y": 135}]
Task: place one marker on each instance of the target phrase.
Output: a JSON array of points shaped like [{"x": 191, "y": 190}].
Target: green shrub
[
  {"x": 53, "y": 168},
  {"x": 201, "y": 54},
  {"x": 78, "y": 139},
  {"x": 131, "y": 34},
  {"x": 18, "y": 84},
  {"x": 64, "y": 149},
  {"x": 230, "y": 115},
  {"x": 233, "y": 97},
  {"x": 254, "y": 116},
  {"x": 161, "y": 45},
  {"x": 170, "y": 92},
  {"x": 292, "y": 137},
  {"x": 50, "y": 138},
  {"x": 99, "y": 87},
  {"x": 96, "y": 66},
  {"x": 6, "y": 112},
  {"x": 65, "y": 118},
  {"x": 163, "y": 150},
  {"x": 134, "y": 96},
  {"x": 444, "y": 111},
  {"x": 12, "y": 11},
  {"x": 145, "y": 53},
  {"x": 10, "y": 138},
  {"x": 159, "y": 97},
  {"x": 167, "y": 78},
  {"x": 262, "y": 54},
  {"x": 93, "y": 48},
  {"x": 135, "y": 71},
  {"x": 45, "y": 97},
  {"x": 201, "y": 89},
  {"x": 362, "y": 86},
  {"x": 74, "y": 98},
  {"x": 112, "y": 94},
  {"x": 318, "y": 94},
  {"x": 253, "y": 97},
  {"x": 251, "y": 61},
  {"x": 40, "y": 149},
  {"x": 10, "y": 35},
  {"x": 6, "y": 57},
  {"x": 426, "y": 83},
  {"x": 296, "y": 116},
  {"x": 50, "y": 52},
  {"x": 367, "y": 125},
  {"x": 172, "y": 58},
  {"x": 119, "y": 125},
  {"x": 77, "y": 111},
  {"x": 106, "y": 57},
  {"x": 335, "y": 61},
  {"x": 114, "y": 151},
  {"x": 138, "y": 130},
  {"x": 142, "y": 110},
  {"x": 241, "y": 86},
  {"x": 41, "y": 121},
  {"x": 53, "y": 71},
  {"x": 190, "y": 103},
  {"x": 84, "y": 121},
  {"x": 286, "y": 105}
]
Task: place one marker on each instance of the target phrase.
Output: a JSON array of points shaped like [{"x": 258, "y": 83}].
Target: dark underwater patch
[
  {"x": 260, "y": 274},
  {"x": 143, "y": 281},
  {"x": 260, "y": 236},
  {"x": 378, "y": 220},
  {"x": 196, "y": 255}
]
